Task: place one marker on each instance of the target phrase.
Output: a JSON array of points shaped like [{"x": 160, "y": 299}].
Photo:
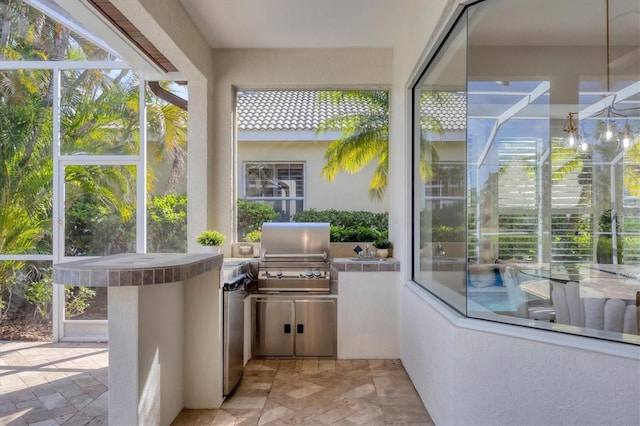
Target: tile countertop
[
  {"x": 342, "y": 264},
  {"x": 351, "y": 264},
  {"x": 134, "y": 269}
]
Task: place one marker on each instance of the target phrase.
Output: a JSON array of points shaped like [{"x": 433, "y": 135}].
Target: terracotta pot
[{"x": 382, "y": 253}]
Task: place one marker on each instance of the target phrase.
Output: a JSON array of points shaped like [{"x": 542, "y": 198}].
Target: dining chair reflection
[
  {"x": 597, "y": 313},
  {"x": 518, "y": 300}
]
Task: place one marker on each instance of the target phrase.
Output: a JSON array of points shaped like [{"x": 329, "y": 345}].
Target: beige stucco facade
[{"x": 345, "y": 192}]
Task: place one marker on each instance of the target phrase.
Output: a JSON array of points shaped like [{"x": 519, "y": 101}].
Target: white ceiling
[
  {"x": 298, "y": 23},
  {"x": 376, "y": 23}
]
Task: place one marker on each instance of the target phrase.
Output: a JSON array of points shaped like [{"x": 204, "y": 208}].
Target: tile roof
[
  {"x": 287, "y": 110},
  {"x": 451, "y": 113},
  {"x": 297, "y": 110}
]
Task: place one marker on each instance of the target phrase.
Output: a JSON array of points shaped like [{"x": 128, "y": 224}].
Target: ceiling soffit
[{"x": 119, "y": 21}]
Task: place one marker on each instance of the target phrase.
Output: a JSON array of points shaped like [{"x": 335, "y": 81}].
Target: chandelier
[
  {"x": 578, "y": 140},
  {"x": 609, "y": 128},
  {"x": 573, "y": 139}
]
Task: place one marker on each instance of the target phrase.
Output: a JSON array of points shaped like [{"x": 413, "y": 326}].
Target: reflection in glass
[
  {"x": 552, "y": 228},
  {"x": 439, "y": 195},
  {"x": 166, "y": 179}
]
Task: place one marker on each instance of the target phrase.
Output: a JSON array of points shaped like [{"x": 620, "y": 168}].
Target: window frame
[{"x": 303, "y": 198}]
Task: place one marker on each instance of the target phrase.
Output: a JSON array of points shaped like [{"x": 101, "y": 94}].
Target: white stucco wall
[
  {"x": 477, "y": 372},
  {"x": 407, "y": 59},
  {"x": 167, "y": 25},
  {"x": 146, "y": 379},
  {"x": 369, "y": 315}
]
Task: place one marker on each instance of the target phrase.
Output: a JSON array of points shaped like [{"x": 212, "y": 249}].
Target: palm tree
[
  {"x": 365, "y": 136},
  {"x": 168, "y": 137},
  {"x": 99, "y": 115},
  {"x": 363, "y": 120}
]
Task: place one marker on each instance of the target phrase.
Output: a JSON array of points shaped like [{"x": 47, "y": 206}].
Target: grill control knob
[
  {"x": 317, "y": 273},
  {"x": 279, "y": 274},
  {"x": 308, "y": 273}
]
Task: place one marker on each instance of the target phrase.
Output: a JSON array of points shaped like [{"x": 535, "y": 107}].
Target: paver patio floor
[
  {"x": 50, "y": 384},
  {"x": 53, "y": 384},
  {"x": 318, "y": 392}
]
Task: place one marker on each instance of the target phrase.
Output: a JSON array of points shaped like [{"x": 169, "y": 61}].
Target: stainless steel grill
[{"x": 294, "y": 258}]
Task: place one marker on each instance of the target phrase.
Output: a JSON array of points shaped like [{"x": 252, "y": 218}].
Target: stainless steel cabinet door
[
  {"x": 315, "y": 327},
  {"x": 274, "y": 327}
]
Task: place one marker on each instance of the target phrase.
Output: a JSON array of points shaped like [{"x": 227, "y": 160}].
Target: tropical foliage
[
  {"x": 344, "y": 218},
  {"x": 365, "y": 136},
  {"x": 363, "y": 121},
  {"x": 98, "y": 115},
  {"x": 253, "y": 237},
  {"x": 251, "y": 215},
  {"x": 349, "y": 226},
  {"x": 167, "y": 223}
]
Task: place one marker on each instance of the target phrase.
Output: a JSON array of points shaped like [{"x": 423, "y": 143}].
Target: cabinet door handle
[
  {"x": 287, "y": 328},
  {"x": 300, "y": 328}
]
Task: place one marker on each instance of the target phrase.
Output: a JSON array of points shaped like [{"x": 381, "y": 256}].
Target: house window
[{"x": 280, "y": 185}]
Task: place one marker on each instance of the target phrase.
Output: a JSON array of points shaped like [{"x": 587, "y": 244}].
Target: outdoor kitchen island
[
  {"x": 164, "y": 331},
  {"x": 367, "y": 295}
]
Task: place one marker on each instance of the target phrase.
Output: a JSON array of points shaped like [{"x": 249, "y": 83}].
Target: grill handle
[{"x": 322, "y": 255}]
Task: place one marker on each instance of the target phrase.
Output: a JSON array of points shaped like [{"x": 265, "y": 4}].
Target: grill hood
[{"x": 300, "y": 241}]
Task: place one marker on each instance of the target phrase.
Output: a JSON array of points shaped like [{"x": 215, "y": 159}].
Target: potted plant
[
  {"x": 210, "y": 241},
  {"x": 382, "y": 248}
]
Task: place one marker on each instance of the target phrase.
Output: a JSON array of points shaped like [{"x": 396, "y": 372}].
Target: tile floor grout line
[{"x": 289, "y": 391}]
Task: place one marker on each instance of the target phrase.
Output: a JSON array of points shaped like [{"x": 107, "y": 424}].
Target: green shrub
[
  {"x": 40, "y": 294},
  {"x": 449, "y": 233},
  {"x": 354, "y": 234},
  {"x": 252, "y": 214},
  {"x": 349, "y": 226},
  {"x": 345, "y": 218},
  {"x": 253, "y": 236},
  {"x": 77, "y": 300},
  {"x": 93, "y": 229},
  {"x": 25, "y": 288},
  {"x": 167, "y": 227}
]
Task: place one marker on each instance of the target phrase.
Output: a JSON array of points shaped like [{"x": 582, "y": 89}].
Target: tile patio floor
[
  {"x": 50, "y": 384},
  {"x": 318, "y": 392}
]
